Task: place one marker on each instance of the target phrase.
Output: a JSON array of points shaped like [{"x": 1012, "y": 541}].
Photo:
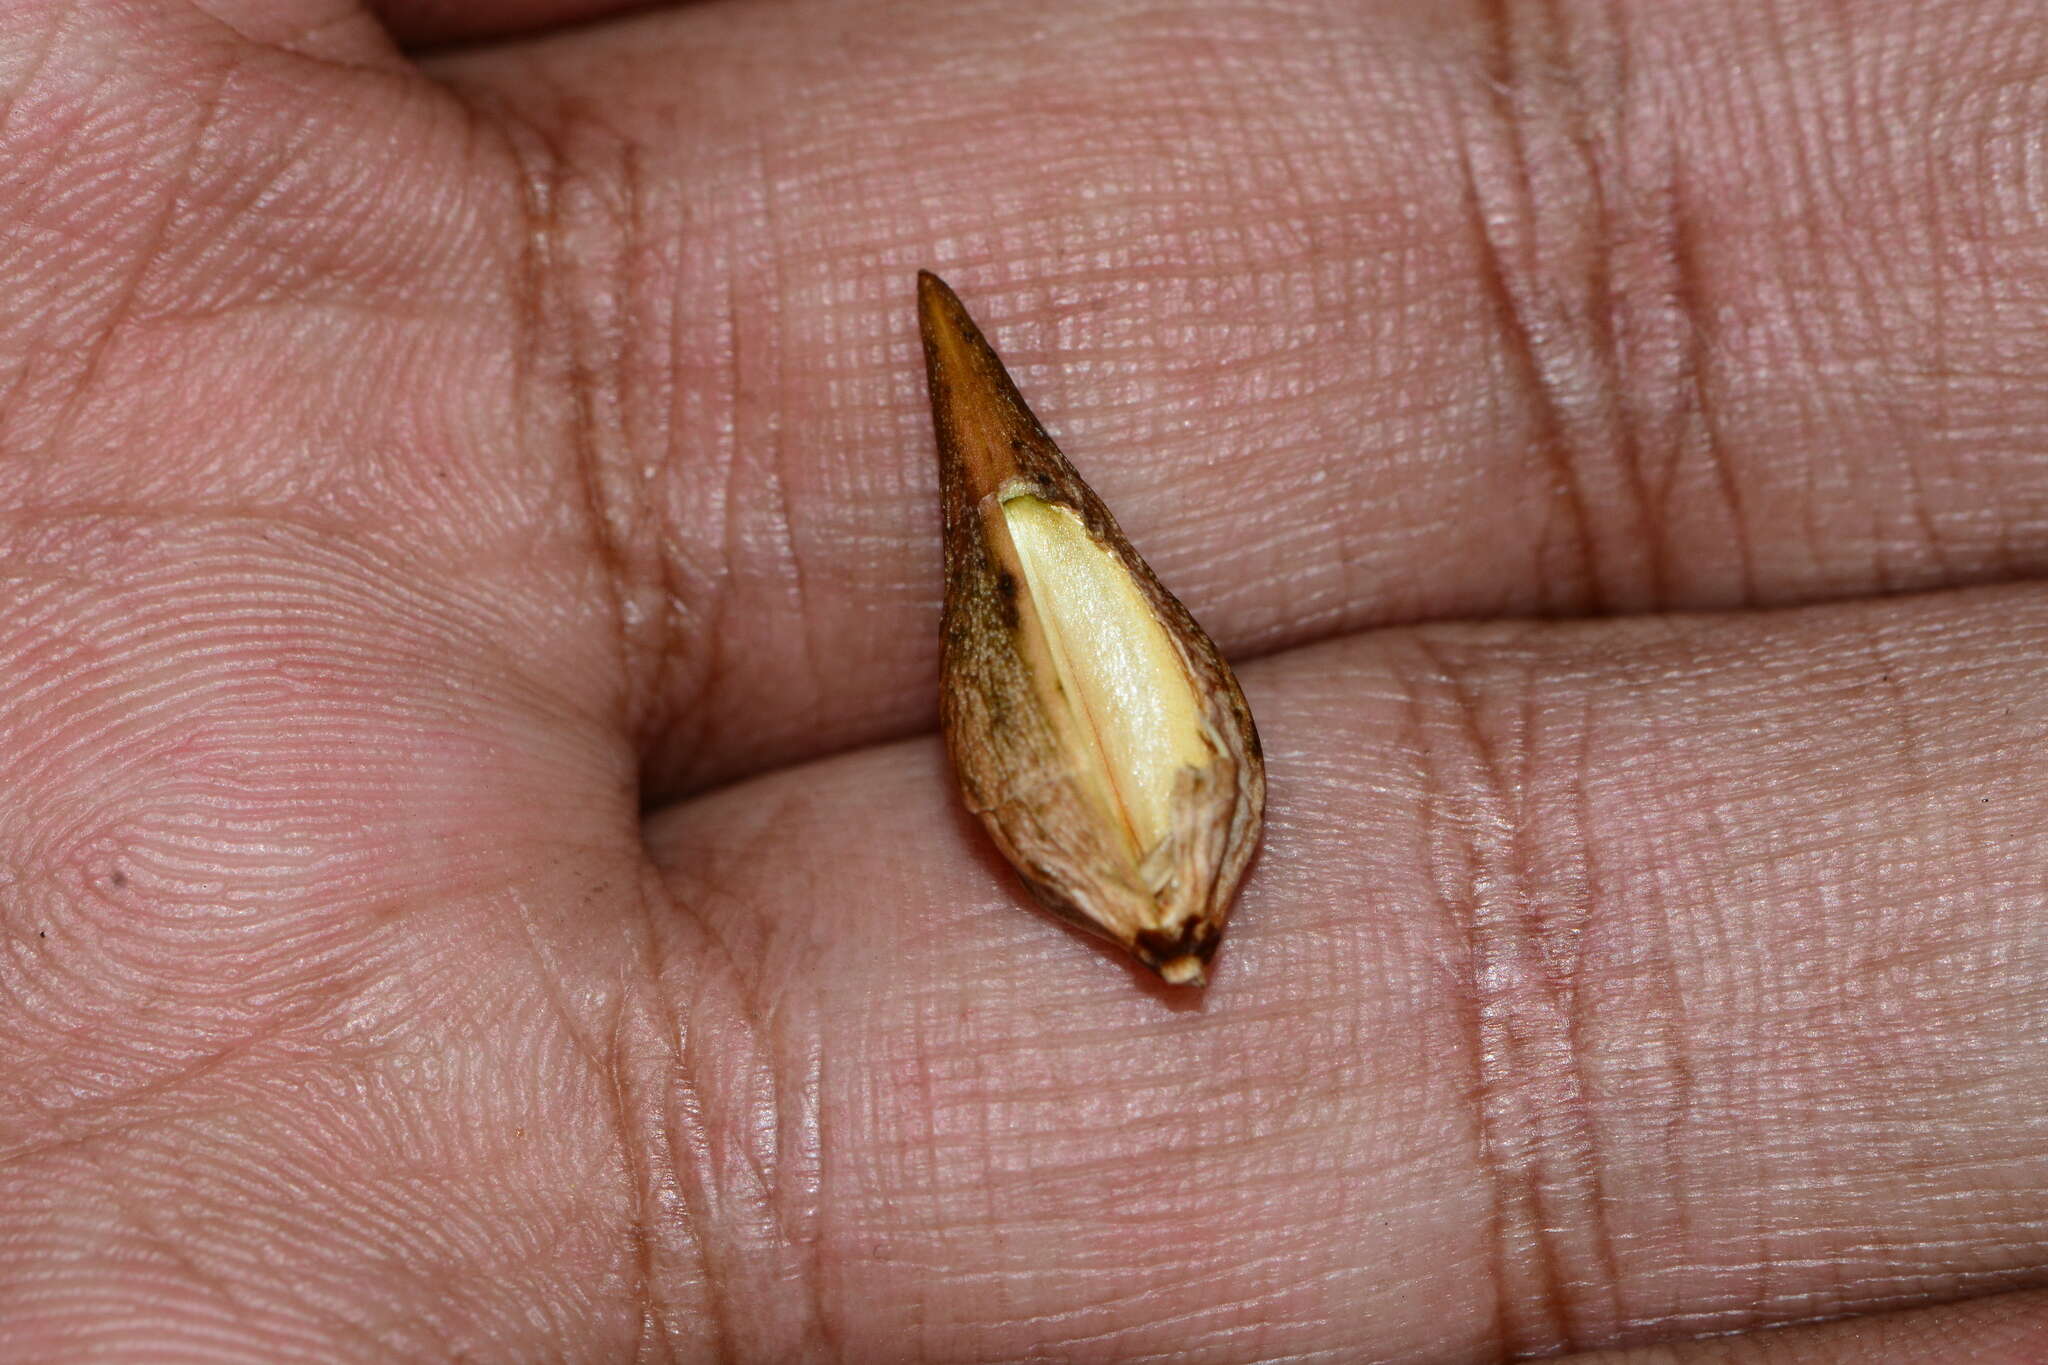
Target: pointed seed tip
[
  {"x": 935, "y": 303},
  {"x": 951, "y": 339},
  {"x": 932, "y": 290}
]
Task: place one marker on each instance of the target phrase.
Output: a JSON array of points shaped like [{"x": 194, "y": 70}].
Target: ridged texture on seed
[{"x": 1094, "y": 728}]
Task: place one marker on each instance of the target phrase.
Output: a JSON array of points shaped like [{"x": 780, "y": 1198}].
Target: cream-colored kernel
[{"x": 1133, "y": 702}]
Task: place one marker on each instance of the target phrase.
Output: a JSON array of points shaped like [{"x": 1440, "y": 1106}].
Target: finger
[
  {"x": 1598, "y": 985},
  {"x": 337, "y": 31},
  {"x": 214, "y": 248},
  {"x": 1376, "y": 317},
  {"x": 268, "y": 839},
  {"x": 442, "y": 21},
  {"x": 258, "y": 290},
  {"x": 2008, "y": 1329}
]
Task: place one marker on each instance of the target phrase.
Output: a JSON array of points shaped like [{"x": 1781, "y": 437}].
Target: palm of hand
[{"x": 477, "y": 877}]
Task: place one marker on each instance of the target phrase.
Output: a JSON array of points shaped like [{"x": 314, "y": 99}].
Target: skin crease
[{"x": 479, "y": 880}]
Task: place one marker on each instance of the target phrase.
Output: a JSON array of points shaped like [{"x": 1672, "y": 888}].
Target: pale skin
[{"x": 479, "y": 877}]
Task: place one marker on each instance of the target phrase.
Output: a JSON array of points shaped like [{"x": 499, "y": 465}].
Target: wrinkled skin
[{"x": 477, "y": 877}]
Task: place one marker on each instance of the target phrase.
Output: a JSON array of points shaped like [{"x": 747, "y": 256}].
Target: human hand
[{"x": 479, "y": 878}]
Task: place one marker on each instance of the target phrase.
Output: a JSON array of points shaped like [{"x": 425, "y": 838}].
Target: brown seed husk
[{"x": 1095, "y": 730}]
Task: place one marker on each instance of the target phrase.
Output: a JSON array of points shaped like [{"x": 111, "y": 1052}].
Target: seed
[{"x": 1094, "y": 729}]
